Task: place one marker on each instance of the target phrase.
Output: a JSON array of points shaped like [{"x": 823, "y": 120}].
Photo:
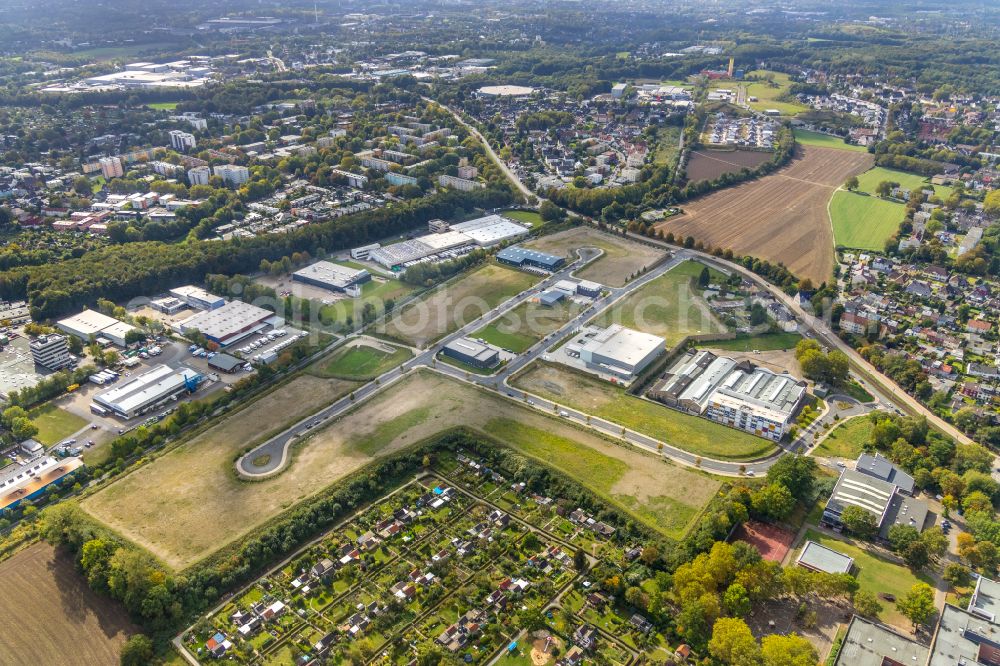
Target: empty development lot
[
  {"x": 863, "y": 222},
  {"x": 189, "y": 503},
  {"x": 526, "y": 324},
  {"x": 710, "y": 164},
  {"x": 669, "y": 306},
  {"x": 600, "y": 398},
  {"x": 54, "y": 618},
  {"x": 781, "y": 217},
  {"x": 621, "y": 259},
  {"x": 456, "y": 303}
]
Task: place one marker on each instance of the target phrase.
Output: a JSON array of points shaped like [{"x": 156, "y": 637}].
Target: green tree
[
  {"x": 736, "y": 600},
  {"x": 137, "y": 651},
  {"x": 787, "y": 650},
  {"x": 22, "y": 428},
  {"x": 851, "y": 184},
  {"x": 991, "y": 203},
  {"x": 774, "y": 501},
  {"x": 859, "y": 522},
  {"x": 867, "y": 604},
  {"x": 918, "y": 604},
  {"x": 795, "y": 472},
  {"x": 733, "y": 643},
  {"x": 704, "y": 277}
]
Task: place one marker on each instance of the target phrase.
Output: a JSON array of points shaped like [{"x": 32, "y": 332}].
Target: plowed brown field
[
  {"x": 53, "y": 618},
  {"x": 782, "y": 217}
]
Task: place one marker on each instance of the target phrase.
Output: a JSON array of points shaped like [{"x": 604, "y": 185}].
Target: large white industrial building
[
  {"x": 450, "y": 241},
  {"x": 147, "y": 391},
  {"x": 617, "y": 351},
  {"x": 328, "y": 275},
  {"x": 93, "y": 323},
  {"x": 738, "y": 394},
  {"x": 230, "y": 323}
]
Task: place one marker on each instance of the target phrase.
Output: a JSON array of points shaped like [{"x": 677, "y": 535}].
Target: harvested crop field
[
  {"x": 781, "y": 217},
  {"x": 621, "y": 257},
  {"x": 166, "y": 505},
  {"x": 710, "y": 164},
  {"x": 456, "y": 303},
  {"x": 59, "y": 619}
]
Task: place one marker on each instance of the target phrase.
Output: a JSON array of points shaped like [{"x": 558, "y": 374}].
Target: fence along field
[
  {"x": 782, "y": 217},
  {"x": 53, "y": 617},
  {"x": 188, "y": 503}
]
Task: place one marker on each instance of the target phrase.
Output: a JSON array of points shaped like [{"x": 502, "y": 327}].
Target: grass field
[
  {"x": 526, "y": 216},
  {"x": 667, "y": 145},
  {"x": 621, "y": 259},
  {"x": 377, "y": 292},
  {"x": 767, "y": 342},
  {"x": 62, "y": 621},
  {"x": 166, "y": 505},
  {"x": 767, "y": 94},
  {"x": 526, "y": 324},
  {"x": 864, "y": 222},
  {"x": 875, "y": 575},
  {"x": 807, "y": 138},
  {"x": 360, "y": 361},
  {"x": 461, "y": 300},
  {"x": 594, "y": 396},
  {"x": 55, "y": 424},
  {"x": 668, "y": 307},
  {"x": 163, "y": 106},
  {"x": 869, "y": 180},
  {"x": 847, "y": 439}
]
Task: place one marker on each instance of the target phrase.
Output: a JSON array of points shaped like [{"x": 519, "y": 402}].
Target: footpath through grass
[
  {"x": 847, "y": 439},
  {"x": 55, "y": 424},
  {"x": 684, "y": 431}
]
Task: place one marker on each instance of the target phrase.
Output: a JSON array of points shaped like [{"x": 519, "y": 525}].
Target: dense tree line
[{"x": 145, "y": 268}]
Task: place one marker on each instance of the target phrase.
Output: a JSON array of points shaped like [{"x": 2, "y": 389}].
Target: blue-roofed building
[
  {"x": 551, "y": 297},
  {"x": 520, "y": 257}
]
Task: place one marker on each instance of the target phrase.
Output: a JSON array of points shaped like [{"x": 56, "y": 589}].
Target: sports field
[
  {"x": 526, "y": 216},
  {"x": 459, "y": 301},
  {"x": 863, "y": 222},
  {"x": 53, "y": 617},
  {"x": 591, "y": 395},
  {"x": 55, "y": 424},
  {"x": 781, "y": 217},
  {"x": 766, "y": 342},
  {"x": 162, "y": 106},
  {"x": 669, "y": 306},
  {"x": 360, "y": 360},
  {"x": 622, "y": 258},
  {"x": 526, "y": 324},
  {"x": 188, "y": 503},
  {"x": 807, "y": 138}
]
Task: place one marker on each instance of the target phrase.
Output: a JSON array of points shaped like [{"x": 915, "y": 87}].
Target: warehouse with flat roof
[
  {"x": 491, "y": 230},
  {"x": 147, "y": 391},
  {"x": 521, "y": 257},
  {"x": 328, "y": 275},
  {"x": 93, "y": 323},
  {"x": 616, "y": 350},
  {"x": 198, "y": 298},
  {"x": 472, "y": 353},
  {"x": 230, "y": 323}
]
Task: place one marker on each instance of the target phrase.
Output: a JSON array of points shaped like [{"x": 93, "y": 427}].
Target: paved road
[{"x": 275, "y": 451}]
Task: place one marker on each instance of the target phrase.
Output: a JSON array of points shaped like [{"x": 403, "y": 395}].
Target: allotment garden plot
[{"x": 448, "y": 562}]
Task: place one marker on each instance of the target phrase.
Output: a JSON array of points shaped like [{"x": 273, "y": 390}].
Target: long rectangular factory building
[{"x": 147, "y": 391}]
